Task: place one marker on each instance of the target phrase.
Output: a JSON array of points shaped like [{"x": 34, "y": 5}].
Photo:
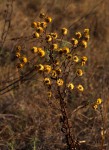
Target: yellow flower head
[
  {"x": 86, "y": 37},
  {"x": 24, "y": 59},
  {"x": 66, "y": 50},
  {"x": 84, "y": 43},
  {"x": 83, "y": 63},
  {"x": 40, "y": 67},
  {"x": 42, "y": 15},
  {"x": 18, "y": 54},
  {"x": 79, "y": 72},
  {"x": 49, "y": 94},
  {"x": 39, "y": 49},
  {"x": 80, "y": 88},
  {"x": 41, "y": 52},
  {"x": 47, "y": 81},
  {"x": 54, "y": 35},
  {"x": 38, "y": 24},
  {"x": 70, "y": 86},
  {"x": 74, "y": 41},
  {"x": 99, "y": 101},
  {"x": 48, "y": 38},
  {"x": 20, "y": 65},
  {"x": 47, "y": 68},
  {"x": 39, "y": 30},
  {"x": 34, "y": 24},
  {"x": 84, "y": 58},
  {"x": 64, "y": 31},
  {"x": 43, "y": 24},
  {"x": 54, "y": 74},
  {"x": 60, "y": 82},
  {"x": 86, "y": 31},
  {"x": 54, "y": 46},
  {"x": 48, "y": 19},
  {"x": 36, "y": 35},
  {"x": 58, "y": 71},
  {"x": 34, "y": 50},
  {"x": 78, "y": 35},
  {"x": 75, "y": 58}
]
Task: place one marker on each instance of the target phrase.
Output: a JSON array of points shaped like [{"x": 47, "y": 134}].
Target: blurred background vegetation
[{"x": 27, "y": 120}]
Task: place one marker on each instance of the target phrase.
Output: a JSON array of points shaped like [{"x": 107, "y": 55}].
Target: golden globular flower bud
[
  {"x": 43, "y": 24},
  {"x": 84, "y": 43},
  {"x": 60, "y": 82},
  {"x": 36, "y": 35},
  {"x": 75, "y": 58},
  {"x": 79, "y": 72},
  {"x": 47, "y": 81},
  {"x": 64, "y": 31},
  {"x": 54, "y": 46},
  {"x": 38, "y": 24},
  {"x": 54, "y": 35},
  {"x": 99, "y": 101},
  {"x": 48, "y": 19},
  {"x": 78, "y": 35},
  {"x": 74, "y": 42},
  {"x": 34, "y": 50},
  {"x": 47, "y": 68},
  {"x": 86, "y": 37},
  {"x": 80, "y": 88},
  {"x": 24, "y": 59},
  {"x": 39, "y": 30},
  {"x": 83, "y": 63},
  {"x": 86, "y": 31},
  {"x": 49, "y": 94},
  {"x": 54, "y": 74},
  {"x": 94, "y": 106},
  {"x": 39, "y": 67},
  {"x": 34, "y": 24},
  {"x": 18, "y": 54},
  {"x": 70, "y": 86},
  {"x": 41, "y": 52},
  {"x": 66, "y": 50},
  {"x": 48, "y": 38},
  {"x": 84, "y": 58}
]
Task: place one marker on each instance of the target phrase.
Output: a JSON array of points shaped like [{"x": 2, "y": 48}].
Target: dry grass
[{"x": 27, "y": 120}]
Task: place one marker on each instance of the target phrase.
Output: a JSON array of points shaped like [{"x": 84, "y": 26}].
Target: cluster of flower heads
[{"x": 57, "y": 56}]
